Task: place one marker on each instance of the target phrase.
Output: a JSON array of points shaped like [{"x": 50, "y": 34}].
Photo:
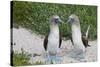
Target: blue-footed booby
[
  {"x": 52, "y": 41},
  {"x": 77, "y": 42}
]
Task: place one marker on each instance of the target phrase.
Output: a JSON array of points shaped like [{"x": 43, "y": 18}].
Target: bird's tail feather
[{"x": 87, "y": 32}]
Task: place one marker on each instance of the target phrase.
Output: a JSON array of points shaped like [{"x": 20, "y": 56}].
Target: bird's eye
[
  {"x": 72, "y": 20},
  {"x": 56, "y": 20}
]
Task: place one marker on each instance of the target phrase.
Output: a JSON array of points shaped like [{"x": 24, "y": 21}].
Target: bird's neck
[
  {"x": 76, "y": 32},
  {"x": 54, "y": 28}
]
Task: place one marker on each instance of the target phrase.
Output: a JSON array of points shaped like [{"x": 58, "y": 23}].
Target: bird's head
[
  {"x": 73, "y": 19},
  {"x": 55, "y": 19}
]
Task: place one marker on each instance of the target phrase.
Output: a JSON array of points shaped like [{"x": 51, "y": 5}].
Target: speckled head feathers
[
  {"x": 73, "y": 19},
  {"x": 55, "y": 19}
]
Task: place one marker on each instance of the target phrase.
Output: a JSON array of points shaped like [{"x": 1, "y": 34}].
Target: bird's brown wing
[
  {"x": 85, "y": 37},
  {"x": 85, "y": 41},
  {"x": 71, "y": 40},
  {"x": 60, "y": 40},
  {"x": 45, "y": 43}
]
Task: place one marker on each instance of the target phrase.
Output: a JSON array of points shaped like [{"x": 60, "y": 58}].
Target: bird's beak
[
  {"x": 61, "y": 21},
  {"x": 69, "y": 20}
]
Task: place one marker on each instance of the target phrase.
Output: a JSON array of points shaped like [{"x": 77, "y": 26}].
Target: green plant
[
  {"x": 38, "y": 63},
  {"x": 21, "y": 58}
]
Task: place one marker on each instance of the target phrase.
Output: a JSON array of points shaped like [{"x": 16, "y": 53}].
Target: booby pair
[{"x": 52, "y": 41}]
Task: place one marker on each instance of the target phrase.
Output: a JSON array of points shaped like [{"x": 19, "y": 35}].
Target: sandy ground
[{"x": 33, "y": 44}]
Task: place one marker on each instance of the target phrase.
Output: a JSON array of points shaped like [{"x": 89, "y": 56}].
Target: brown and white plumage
[
  {"x": 84, "y": 37},
  {"x": 77, "y": 42},
  {"x": 84, "y": 40},
  {"x": 46, "y": 42},
  {"x": 52, "y": 41}
]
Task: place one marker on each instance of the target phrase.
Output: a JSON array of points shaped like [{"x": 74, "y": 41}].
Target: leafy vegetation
[
  {"x": 20, "y": 59},
  {"x": 35, "y": 16},
  {"x": 38, "y": 63},
  {"x": 23, "y": 58}
]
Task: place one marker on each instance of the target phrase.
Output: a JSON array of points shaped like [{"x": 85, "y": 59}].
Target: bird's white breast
[
  {"x": 76, "y": 36},
  {"x": 53, "y": 40}
]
